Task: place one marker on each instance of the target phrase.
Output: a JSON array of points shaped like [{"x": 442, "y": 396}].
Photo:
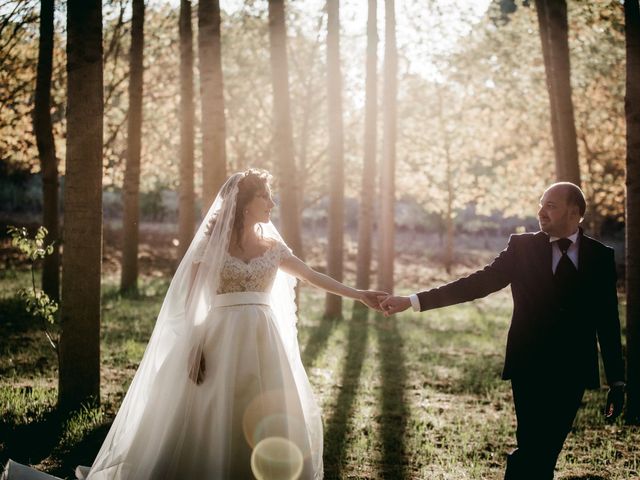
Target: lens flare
[
  {"x": 276, "y": 414},
  {"x": 276, "y": 458}
]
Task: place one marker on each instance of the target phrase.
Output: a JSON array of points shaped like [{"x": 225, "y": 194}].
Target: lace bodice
[{"x": 255, "y": 276}]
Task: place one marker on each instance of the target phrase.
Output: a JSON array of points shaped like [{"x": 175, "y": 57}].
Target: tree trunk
[
  {"x": 333, "y": 304},
  {"x": 448, "y": 254},
  {"x": 632, "y": 109},
  {"x": 448, "y": 214},
  {"x": 303, "y": 145},
  {"x": 214, "y": 157},
  {"x": 43, "y": 129},
  {"x": 367, "y": 194},
  {"x": 79, "y": 379},
  {"x": 387, "y": 172},
  {"x": 448, "y": 257},
  {"x": 283, "y": 132},
  {"x": 131, "y": 187},
  {"x": 305, "y": 122},
  {"x": 187, "y": 114},
  {"x": 553, "y": 23}
]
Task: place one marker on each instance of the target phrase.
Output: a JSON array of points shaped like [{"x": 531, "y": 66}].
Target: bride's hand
[
  {"x": 196, "y": 373},
  {"x": 371, "y": 298}
]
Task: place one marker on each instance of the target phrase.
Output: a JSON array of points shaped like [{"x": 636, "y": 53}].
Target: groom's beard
[{"x": 544, "y": 227}]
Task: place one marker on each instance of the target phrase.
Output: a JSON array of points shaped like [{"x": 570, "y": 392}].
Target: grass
[{"x": 415, "y": 396}]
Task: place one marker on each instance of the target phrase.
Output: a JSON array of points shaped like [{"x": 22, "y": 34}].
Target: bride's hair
[{"x": 255, "y": 180}]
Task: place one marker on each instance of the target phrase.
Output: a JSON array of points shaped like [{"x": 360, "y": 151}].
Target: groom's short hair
[{"x": 574, "y": 195}]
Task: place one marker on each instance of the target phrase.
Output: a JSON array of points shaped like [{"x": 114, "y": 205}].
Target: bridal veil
[{"x": 162, "y": 383}]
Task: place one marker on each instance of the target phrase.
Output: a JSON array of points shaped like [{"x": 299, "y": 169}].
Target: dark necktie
[{"x": 565, "y": 271}]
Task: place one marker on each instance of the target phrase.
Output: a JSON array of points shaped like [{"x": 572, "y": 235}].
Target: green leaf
[{"x": 37, "y": 302}]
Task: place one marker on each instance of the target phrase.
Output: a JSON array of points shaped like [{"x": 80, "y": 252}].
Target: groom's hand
[
  {"x": 393, "y": 304},
  {"x": 371, "y": 298},
  {"x": 615, "y": 402}
]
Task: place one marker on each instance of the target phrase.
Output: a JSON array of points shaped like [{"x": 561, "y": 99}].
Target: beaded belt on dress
[{"x": 242, "y": 298}]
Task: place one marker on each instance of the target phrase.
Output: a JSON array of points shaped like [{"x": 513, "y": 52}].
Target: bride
[{"x": 221, "y": 391}]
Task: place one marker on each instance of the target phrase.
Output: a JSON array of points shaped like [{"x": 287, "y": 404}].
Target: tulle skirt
[{"x": 252, "y": 416}]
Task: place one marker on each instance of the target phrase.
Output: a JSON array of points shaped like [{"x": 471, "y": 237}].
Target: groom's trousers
[{"x": 545, "y": 410}]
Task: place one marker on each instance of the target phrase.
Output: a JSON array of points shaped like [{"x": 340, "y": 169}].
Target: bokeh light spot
[{"x": 276, "y": 458}]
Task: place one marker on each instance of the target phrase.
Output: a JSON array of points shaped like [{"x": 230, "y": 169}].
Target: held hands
[
  {"x": 371, "y": 298},
  {"x": 394, "y": 304},
  {"x": 615, "y": 402}
]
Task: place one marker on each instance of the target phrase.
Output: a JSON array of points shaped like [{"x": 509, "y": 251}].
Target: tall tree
[
  {"x": 444, "y": 134},
  {"x": 388, "y": 167},
  {"x": 283, "y": 131},
  {"x": 79, "y": 378},
  {"x": 43, "y": 128},
  {"x": 554, "y": 28},
  {"x": 367, "y": 192},
  {"x": 187, "y": 113},
  {"x": 131, "y": 187},
  {"x": 310, "y": 103},
  {"x": 632, "y": 110},
  {"x": 214, "y": 161},
  {"x": 333, "y": 304}
]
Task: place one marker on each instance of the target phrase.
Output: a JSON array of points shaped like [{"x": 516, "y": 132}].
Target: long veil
[{"x": 137, "y": 442}]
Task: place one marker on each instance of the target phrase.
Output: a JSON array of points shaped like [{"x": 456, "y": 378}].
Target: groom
[{"x": 563, "y": 285}]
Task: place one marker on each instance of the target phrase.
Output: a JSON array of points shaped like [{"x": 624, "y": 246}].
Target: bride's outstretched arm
[{"x": 296, "y": 267}]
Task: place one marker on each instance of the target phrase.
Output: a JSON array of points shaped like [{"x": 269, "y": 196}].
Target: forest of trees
[{"x": 525, "y": 93}]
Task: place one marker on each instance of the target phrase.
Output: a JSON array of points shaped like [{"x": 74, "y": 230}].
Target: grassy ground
[{"x": 416, "y": 396}]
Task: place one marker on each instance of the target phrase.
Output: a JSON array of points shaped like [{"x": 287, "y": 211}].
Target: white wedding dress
[
  {"x": 249, "y": 392},
  {"x": 254, "y": 414}
]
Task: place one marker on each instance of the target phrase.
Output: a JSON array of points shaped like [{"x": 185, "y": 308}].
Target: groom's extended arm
[{"x": 491, "y": 278}]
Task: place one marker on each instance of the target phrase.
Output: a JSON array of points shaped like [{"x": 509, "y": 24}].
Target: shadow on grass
[
  {"x": 338, "y": 425},
  {"x": 395, "y": 411},
  {"x": 479, "y": 375},
  {"x": 80, "y": 453},
  {"x": 42, "y": 440},
  {"x": 32, "y": 442},
  {"x": 317, "y": 341}
]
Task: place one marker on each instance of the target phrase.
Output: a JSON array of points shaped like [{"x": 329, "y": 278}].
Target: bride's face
[{"x": 259, "y": 208}]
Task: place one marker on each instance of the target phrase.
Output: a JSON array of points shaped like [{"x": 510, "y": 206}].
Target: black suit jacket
[{"x": 548, "y": 336}]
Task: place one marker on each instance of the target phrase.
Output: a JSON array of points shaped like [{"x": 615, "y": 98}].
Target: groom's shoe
[
  {"x": 513, "y": 469},
  {"x": 521, "y": 468}
]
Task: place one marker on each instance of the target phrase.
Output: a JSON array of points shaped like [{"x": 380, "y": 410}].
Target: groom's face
[{"x": 555, "y": 216}]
